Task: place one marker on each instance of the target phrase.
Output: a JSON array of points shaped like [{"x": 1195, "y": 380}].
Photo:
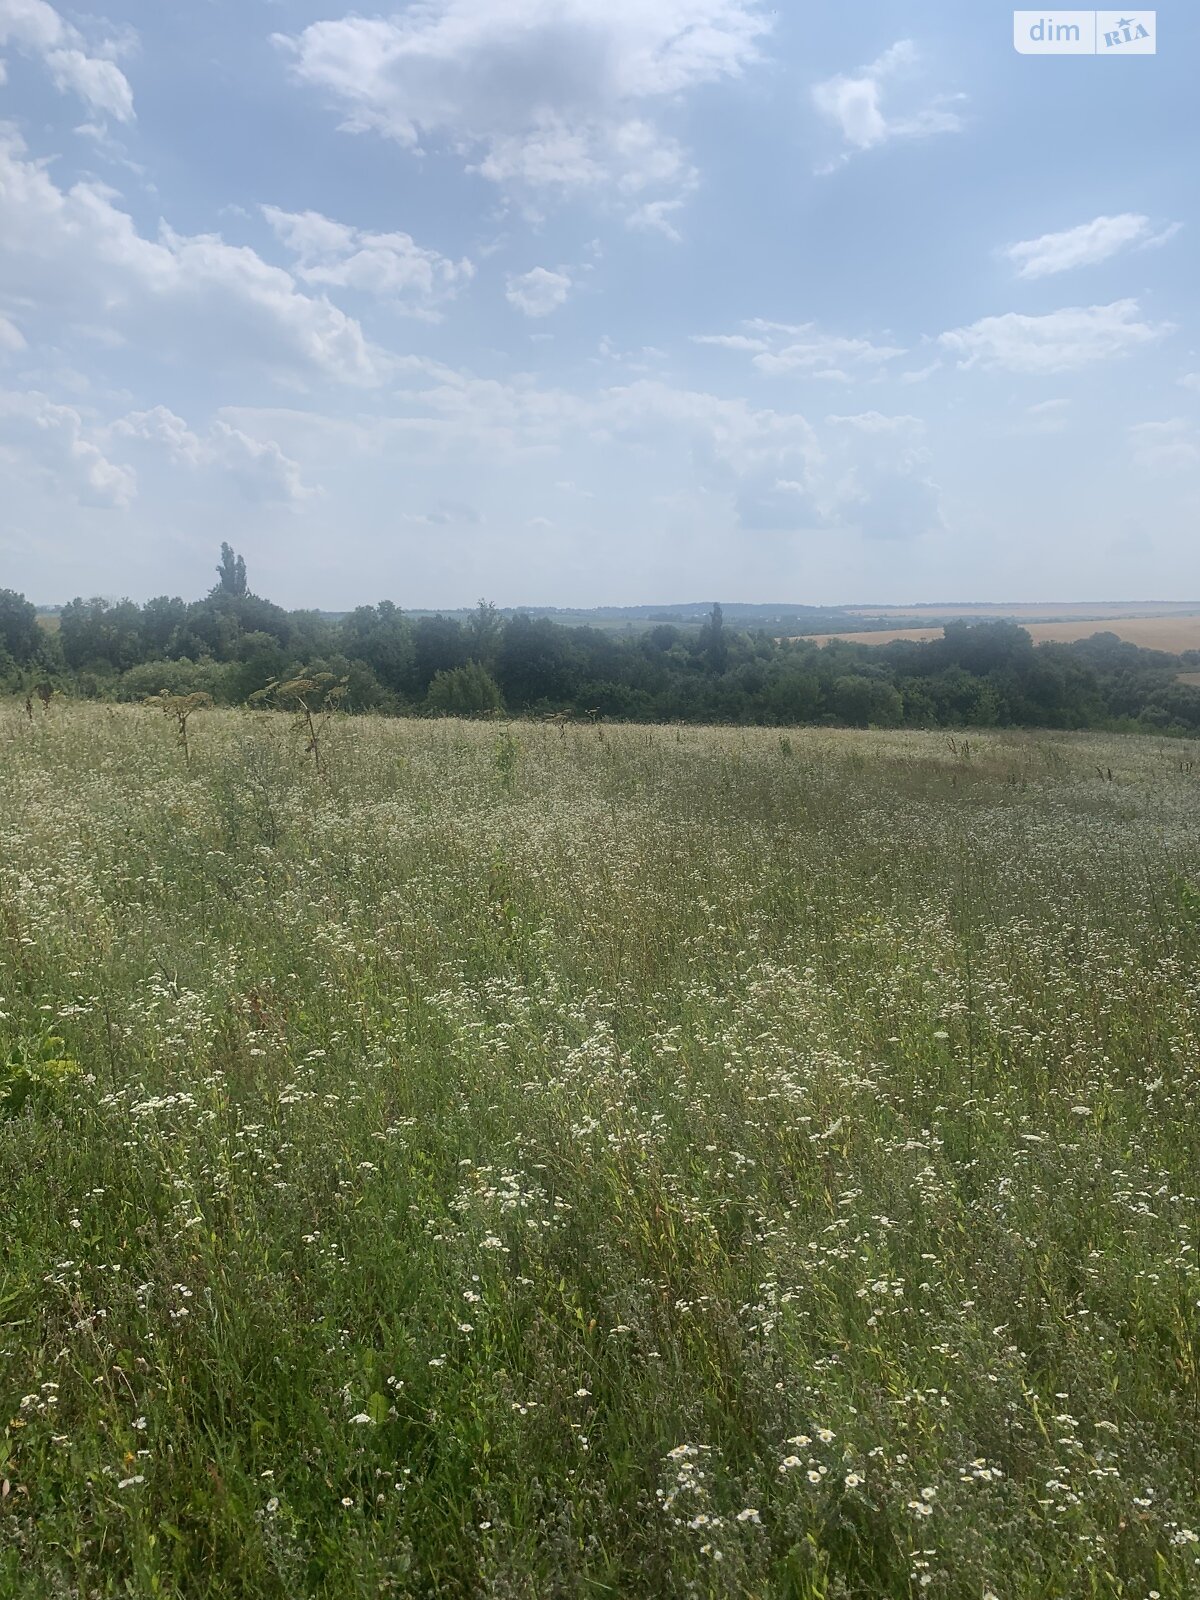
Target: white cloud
[
  {"x": 539, "y": 97},
  {"x": 778, "y": 473},
  {"x": 1190, "y": 380},
  {"x": 74, "y": 255},
  {"x": 1056, "y": 342},
  {"x": 35, "y": 26},
  {"x": 446, "y": 514},
  {"x": 881, "y": 476},
  {"x": 781, "y": 347},
  {"x": 1173, "y": 444},
  {"x": 63, "y": 448},
  {"x": 101, "y": 84},
  {"x": 259, "y": 468},
  {"x": 731, "y": 341},
  {"x": 539, "y": 292},
  {"x": 11, "y": 337},
  {"x": 1047, "y": 416},
  {"x": 876, "y": 422},
  {"x": 390, "y": 266},
  {"x": 756, "y": 468},
  {"x": 854, "y": 104},
  {"x": 894, "y": 502},
  {"x": 1083, "y": 246},
  {"x": 655, "y": 217}
]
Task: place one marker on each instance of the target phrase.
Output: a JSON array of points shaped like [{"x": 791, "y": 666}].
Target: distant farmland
[{"x": 1161, "y": 632}]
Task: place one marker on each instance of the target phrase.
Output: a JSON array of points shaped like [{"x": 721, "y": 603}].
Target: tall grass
[{"x": 596, "y": 1161}]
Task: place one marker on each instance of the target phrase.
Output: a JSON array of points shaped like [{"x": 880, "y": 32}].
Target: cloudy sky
[{"x": 595, "y": 301}]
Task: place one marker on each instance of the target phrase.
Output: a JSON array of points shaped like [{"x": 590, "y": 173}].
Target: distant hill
[{"x": 799, "y": 621}]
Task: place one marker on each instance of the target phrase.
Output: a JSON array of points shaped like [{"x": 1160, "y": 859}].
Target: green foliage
[
  {"x": 234, "y": 644},
  {"x": 231, "y": 573},
  {"x": 33, "y": 1073},
  {"x": 19, "y": 631},
  {"x": 867, "y": 702},
  {"x": 180, "y": 677},
  {"x": 467, "y": 691},
  {"x": 507, "y": 755}
]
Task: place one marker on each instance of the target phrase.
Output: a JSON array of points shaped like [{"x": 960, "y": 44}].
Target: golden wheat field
[{"x": 1170, "y": 632}]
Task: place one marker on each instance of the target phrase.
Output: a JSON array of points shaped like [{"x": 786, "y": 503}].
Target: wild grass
[{"x": 596, "y": 1162}]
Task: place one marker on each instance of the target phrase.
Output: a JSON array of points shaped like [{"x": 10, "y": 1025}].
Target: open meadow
[{"x": 527, "y": 1162}]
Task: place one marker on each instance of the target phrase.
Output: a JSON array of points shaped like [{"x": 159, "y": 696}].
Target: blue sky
[{"x": 568, "y": 302}]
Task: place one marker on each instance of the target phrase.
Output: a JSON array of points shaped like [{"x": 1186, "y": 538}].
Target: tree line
[{"x": 233, "y": 645}]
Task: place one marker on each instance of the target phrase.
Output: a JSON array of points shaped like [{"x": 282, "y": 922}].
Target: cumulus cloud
[
  {"x": 1046, "y": 416},
  {"x": 655, "y": 217},
  {"x": 390, "y": 266},
  {"x": 1172, "y": 445},
  {"x": 1085, "y": 245},
  {"x": 63, "y": 449},
  {"x": 883, "y": 476},
  {"x": 258, "y": 468},
  {"x": 538, "y": 98},
  {"x": 869, "y": 473},
  {"x": 768, "y": 470},
  {"x": 895, "y": 501},
  {"x": 876, "y": 422},
  {"x": 1055, "y": 342},
  {"x": 36, "y": 27},
  {"x": 539, "y": 292},
  {"x": 74, "y": 254},
  {"x": 853, "y": 103},
  {"x": 11, "y": 337},
  {"x": 446, "y": 514},
  {"x": 781, "y": 347}
]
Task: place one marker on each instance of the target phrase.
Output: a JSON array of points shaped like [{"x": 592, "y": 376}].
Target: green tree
[
  {"x": 713, "y": 641},
  {"x": 863, "y": 701},
  {"x": 382, "y": 638},
  {"x": 19, "y": 629},
  {"x": 101, "y": 633},
  {"x": 466, "y": 691},
  {"x": 484, "y": 627},
  {"x": 231, "y": 573}
]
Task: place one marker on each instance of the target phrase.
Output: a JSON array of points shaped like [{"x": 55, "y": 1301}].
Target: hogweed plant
[
  {"x": 181, "y": 708},
  {"x": 670, "y": 1163},
  {"x": 314, "y": 700}
]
